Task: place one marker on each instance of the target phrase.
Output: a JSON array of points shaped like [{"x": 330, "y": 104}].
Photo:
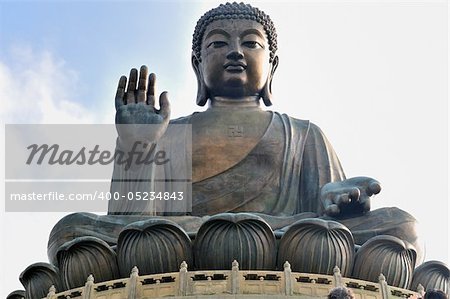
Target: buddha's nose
[{"x": 235, "y": 52}]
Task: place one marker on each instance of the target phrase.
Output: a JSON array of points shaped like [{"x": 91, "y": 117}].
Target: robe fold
[
  {"x": 281, "y": 176},
  {"x": 279, "y": 179}
]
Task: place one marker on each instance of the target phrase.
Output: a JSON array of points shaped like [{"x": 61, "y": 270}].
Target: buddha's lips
[{"x": 235, "y": 67}]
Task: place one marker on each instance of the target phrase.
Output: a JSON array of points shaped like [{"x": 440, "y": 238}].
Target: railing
[{"x": 234, "y": 281}]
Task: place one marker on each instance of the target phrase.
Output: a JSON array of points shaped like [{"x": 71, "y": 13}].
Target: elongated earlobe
[
  {"x": 266, "y": 93},
  {"x": 202, "y": 93}
]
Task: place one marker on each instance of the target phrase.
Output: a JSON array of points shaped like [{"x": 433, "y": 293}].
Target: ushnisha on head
[{"x": 234, "y": 53}]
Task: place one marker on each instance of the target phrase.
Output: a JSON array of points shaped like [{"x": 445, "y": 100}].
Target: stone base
[{"x": 232, "y": 284}]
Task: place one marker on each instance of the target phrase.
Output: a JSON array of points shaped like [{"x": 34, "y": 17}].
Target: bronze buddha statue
[
  {"x": 279, "y": 166},
  {"x": 276, "y": 167}
]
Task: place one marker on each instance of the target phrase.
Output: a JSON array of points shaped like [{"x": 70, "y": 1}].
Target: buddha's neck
[{"x": 233, "y": 103}]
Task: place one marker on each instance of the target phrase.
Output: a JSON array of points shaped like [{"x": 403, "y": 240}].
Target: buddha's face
[{"x": 235, "y": 58}]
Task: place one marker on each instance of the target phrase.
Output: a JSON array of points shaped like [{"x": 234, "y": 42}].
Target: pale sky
[{"x": 372, "y": 74}]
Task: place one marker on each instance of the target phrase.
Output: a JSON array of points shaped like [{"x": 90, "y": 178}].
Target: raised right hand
[{"x": 135, "y": 108}]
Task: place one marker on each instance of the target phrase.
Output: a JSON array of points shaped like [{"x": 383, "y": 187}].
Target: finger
[
  {"x": 327, "y": 202},
  {"x": 354, "y": 194},
  {"x": 332, "y": 210},
  {"x": 151, "y": 89},
  {"x": 164, "y": 105},
  {"x": 365, "y": 203},
  {"x": 142, "y": 85},
  {"x": 131, "y": 98},
  {"x": 342, "y": 199},
  {"x": 119, "y": 101},
  {"x": 374, "y": 188}
]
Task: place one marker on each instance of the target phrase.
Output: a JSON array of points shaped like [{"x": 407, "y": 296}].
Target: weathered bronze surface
[
  {"x": 276, "y": 167},
  {"x": 432, "y": 275},
  {"x": 18, "y": 294},
  {"x": 154, "y": 246},
  {"x": 37, "y": 279},
  {"x": 388, "y": 255},
  {"x": 317, "y": 246},
  {"x": 84, "y": 256},
  {"x": 279, "y": 165},
  {"x": 243, "y": 237}
]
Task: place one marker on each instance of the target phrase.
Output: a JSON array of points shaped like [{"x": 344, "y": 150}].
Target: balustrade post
[
  {"x": 88, "y": 287},
  {"x": 51, "y": 292},
  {"x": 421, "y": 290},
  {"x": 235, "y": 277},
  {"x": 337, "y": 277},
  {"x": 384, "y": 289},
  {"x": 132, "y": 283},
  {"x": 287, "y": 279},
  {"x": 183, "y": 279}
]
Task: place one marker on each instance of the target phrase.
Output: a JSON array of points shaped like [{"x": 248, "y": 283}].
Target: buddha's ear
[
  {"x": 266, "y": 93},
  {"x": 202, "y": 93}
]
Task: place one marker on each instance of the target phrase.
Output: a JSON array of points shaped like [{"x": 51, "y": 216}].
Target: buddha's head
[{"x": 234, "y": 53}]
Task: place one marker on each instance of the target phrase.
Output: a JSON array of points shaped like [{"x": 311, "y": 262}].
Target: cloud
[{"x": 38, "y": 87}]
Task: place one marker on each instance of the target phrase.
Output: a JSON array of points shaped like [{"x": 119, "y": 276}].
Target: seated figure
[{"x": 281, "y": 168}]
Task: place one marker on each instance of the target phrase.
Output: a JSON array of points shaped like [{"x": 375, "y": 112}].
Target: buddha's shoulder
[
  {"x": 303, "y": 124},
  {"x": 296, "y": 122}
]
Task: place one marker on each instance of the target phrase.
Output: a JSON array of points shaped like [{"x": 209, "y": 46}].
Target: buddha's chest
[{"x": 220, "y": 141}]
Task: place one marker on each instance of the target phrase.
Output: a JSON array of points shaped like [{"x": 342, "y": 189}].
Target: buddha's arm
[
  {"x": 140, "y": 126},
  {"x": 324, "y": 187},
  {"x": 127, "y": 185},
  {"x": 320, "y": 165},
  {"x": 166, "y": 171}
]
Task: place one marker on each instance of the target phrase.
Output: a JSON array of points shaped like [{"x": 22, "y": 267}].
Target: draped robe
[
  {"x": 280, "y": 180},
  {"x": 281, "y": 176}
]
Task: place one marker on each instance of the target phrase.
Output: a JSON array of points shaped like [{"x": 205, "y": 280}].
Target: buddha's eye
[
  {"x": 217, "y": 44},
  {"x": 252, "y": 44}
]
